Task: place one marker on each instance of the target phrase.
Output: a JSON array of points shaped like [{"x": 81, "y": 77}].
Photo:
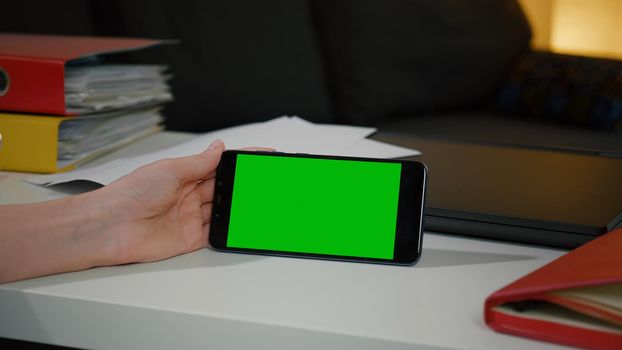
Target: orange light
[{"x": 583, "y": 27}]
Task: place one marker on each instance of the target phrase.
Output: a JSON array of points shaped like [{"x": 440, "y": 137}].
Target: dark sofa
[{"x": 454, "y": 69}]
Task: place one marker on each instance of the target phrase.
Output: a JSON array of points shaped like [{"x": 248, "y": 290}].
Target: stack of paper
[
  {"x": 116, "y": 103},
  {"x": 87, "y": 136},
  {"x": 286, "y": 134},
  {"x": 96, "y": 87}
]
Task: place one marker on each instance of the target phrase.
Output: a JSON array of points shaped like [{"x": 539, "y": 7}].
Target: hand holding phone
[{"x": 340, "y": 208}]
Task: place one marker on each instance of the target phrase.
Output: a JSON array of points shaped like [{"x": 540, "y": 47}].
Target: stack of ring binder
[{"x": 62, "y": 104}]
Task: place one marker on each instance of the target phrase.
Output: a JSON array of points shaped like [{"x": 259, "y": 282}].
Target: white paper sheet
[
  {"x": 286, "y": 134},
  {"x": 376, "y": 149}
]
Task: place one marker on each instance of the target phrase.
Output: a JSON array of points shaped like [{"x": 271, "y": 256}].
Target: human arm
[{"x": 160, "y": 210}]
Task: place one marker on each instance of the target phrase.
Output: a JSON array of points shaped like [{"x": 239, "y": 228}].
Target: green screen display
[{"x": 311, "y": 205}]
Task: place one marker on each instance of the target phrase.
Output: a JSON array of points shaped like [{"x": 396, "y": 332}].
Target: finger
[
  {"x": 206, "y": 210},
  {"x": 210, "y": 175},
  {"x": 256, "y": 149},
  {"x": 198, "y": 166},
  {"x": 205, "y": 190}
]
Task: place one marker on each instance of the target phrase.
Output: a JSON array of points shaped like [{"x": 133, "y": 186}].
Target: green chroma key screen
[{"x": 317, "y": 206}]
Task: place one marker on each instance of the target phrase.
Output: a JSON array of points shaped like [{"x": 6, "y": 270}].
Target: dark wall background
[
  {"x": 345, "y": 61},
  {"x": 237, "y": 61}
]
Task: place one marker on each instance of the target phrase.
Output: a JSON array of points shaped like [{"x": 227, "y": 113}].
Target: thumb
[{"x": 199, "y": 166}]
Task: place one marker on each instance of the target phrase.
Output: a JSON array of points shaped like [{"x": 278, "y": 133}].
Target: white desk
[{"x": 215, "y": 300}]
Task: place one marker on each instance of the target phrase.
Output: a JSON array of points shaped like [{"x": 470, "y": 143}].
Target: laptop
[{"x": 517, "y": 194}]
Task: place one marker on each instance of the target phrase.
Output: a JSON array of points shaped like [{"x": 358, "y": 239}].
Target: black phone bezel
[{"x": 411, "y": 203}]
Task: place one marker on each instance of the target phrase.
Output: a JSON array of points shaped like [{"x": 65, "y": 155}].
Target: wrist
[
  {"x": 98, "y": 233},
  {"x": 62, "y": 235}
]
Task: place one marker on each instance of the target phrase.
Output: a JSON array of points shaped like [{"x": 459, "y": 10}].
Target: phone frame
[{"x": 409, "y": 225}]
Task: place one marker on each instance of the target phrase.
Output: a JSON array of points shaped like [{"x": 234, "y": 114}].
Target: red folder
[
  {"x": 32, "y": 67},
  {"x": 574, "y": 300}
]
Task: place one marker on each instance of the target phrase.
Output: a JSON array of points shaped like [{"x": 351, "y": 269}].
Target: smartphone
[{"x": 324, "y": 207}]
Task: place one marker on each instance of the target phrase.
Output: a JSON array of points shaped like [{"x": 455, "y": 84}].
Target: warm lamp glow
[
  {"x": 587, "y": 27},
  {"x": 584, "y": 27}
]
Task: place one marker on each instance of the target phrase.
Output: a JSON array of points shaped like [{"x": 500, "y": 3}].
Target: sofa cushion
[
  {"x": 395, "y": 57},
  {"x": 580, "y": 90},
  {"x": 237, "y": 61}
]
